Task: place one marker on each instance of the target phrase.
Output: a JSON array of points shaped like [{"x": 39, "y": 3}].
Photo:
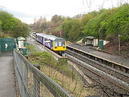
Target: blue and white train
[{"x": 52, "y": 42}]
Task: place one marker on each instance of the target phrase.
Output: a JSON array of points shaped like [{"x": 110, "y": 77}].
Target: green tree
[
  {"x": 72, "y": 29},
  {"x": 0, "y": 26},
  {"x": 12, "y": 26},
  {"x": 118, "y": 23},
  {"x": 85, "y": 18},
  {"x": 20, "y": 30},
  {"x": 96, "y": 26}
]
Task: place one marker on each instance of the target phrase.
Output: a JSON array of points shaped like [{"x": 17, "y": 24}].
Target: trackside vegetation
[
  {"x": 61, "y": 72},
  {"x": 45, "y": 58},
  {"x": 11, "y": 26}
]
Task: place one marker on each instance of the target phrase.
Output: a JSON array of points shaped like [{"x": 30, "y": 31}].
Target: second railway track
[
  {"x": 98, "y": 71},
  {"x": 104, "y": 74}
]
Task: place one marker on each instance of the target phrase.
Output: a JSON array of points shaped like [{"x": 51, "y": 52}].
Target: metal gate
[{"x": 7, "y": 44}]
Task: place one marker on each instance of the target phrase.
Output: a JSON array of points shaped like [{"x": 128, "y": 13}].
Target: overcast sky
[{"x": 27, "y": 10}]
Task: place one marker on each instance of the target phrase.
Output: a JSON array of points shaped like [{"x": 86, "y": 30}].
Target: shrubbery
[
  {"x": 45, "y": 58},
  {"x": 11, "y": 26}
]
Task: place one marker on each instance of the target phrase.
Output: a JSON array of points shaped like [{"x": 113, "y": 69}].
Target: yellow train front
[
  {"x": 52, "y": 42},
  {"x": 59, "y": 44}
]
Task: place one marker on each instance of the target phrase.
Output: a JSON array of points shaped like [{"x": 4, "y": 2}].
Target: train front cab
[{"x": 59, "y": 46}]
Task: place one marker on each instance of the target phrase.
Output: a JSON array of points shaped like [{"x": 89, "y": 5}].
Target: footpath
[{"x": 7, "y": 80}]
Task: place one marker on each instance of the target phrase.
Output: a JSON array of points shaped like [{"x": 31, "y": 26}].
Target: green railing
[{"x": 34, "y": 83}]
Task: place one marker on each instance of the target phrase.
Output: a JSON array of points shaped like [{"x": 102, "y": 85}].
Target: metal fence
[
  {"x": 34, "y": 83},
  {"x": 7, "y": 44}
]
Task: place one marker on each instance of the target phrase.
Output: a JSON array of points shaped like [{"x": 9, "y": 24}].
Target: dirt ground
[{"x": 114, "y": 49}]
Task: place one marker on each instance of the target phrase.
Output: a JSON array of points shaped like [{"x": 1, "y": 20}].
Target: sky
[{"x": 28, "y": 10}]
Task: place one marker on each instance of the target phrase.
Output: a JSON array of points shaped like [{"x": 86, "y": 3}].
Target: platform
[{"x": 118, "y": 59}]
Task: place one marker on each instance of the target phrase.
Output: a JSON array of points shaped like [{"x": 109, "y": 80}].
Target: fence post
[{"x": 36, "y": 83}]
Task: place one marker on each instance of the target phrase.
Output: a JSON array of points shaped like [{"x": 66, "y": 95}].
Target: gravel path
[{"x": 117, "y": 59}]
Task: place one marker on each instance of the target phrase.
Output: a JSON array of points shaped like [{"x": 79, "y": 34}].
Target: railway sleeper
[
  {"x": 113, "y": 65},
  {"x": 101, "y": 75},
  {"x": 111, "y": 71}
]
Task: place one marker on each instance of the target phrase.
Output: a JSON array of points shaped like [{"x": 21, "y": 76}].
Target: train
[{"x": 52, "y": 42}]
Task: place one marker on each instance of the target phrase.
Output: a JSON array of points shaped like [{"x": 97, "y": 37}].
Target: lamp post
[{"x": 119, "y": 42}]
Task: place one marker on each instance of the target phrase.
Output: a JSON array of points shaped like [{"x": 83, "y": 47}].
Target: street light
[{"x": 119, "y": 43}]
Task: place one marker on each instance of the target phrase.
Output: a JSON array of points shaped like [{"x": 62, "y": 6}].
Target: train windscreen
[{"x": 60, "y": 43}]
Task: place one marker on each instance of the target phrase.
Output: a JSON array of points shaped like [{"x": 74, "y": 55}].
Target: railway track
[
  {"x": 102, "y": 74},
  {"x": 109, "y": 77},
  {"x": 111, "y": 62}
]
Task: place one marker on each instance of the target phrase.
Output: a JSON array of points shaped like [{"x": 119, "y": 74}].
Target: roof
[
  {"x": 89, "y": 37},
  {"x": 51, "y": 37},
  {"x": 92, "y": 96},
  {"x": 21, "y": 38}
]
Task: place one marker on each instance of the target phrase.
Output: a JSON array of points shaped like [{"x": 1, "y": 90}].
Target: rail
[
  {"x": 34, "y": 83},
  {"x": 108, "y": 77},
  {"x": 115, "y": 65}
]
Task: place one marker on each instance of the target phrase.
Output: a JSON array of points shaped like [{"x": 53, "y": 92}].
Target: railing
[{"x": 32, "y": 82}]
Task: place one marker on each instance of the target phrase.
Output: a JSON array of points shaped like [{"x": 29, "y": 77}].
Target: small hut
[
  {"x": 88, "y": 40},
  {"x": 21, "y": 41}
]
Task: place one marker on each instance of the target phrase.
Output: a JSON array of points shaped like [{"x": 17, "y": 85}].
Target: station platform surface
[
  {"x": 117, "y": 59},
  {"x": 7, "y": 79}
]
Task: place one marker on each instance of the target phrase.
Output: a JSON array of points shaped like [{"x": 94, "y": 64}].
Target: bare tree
[
  {"x": 101, "y": 4},
  {"x": 112, "y": 3},
  {"x": 87, "y": 4}
]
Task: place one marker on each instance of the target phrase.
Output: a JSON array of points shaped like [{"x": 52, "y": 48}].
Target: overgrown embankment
[{"x": 61, "y": 72}]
